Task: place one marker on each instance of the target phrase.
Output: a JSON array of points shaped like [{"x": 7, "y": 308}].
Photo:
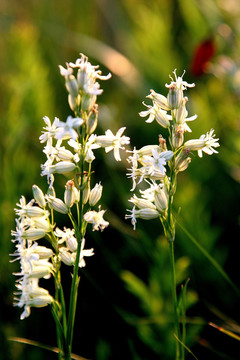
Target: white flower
[
  {"x": 179, "y": 83},
  {"x": 210, "y": 143},
  {"x": 142, "y": 203},
  {"x": 51, "y": 129},
  {"x": 84, "y": 252},
  {"x": 113, "y": 142},
  {"x": 144, "y": 213},
  {"x": 159, "y": 100},
  {"x": 96, "y": 219},
  {"x": 157, "y": 161},
  {"x": 206, "y": 143},
  {"x": 175, "y": 94},
  {"x": 155, "y": 112},
  {"x": 87, "y": 72},
  {"x": 23, "y": 232},
  {"x": 65, "y": 72},
  {"x": 30, "y": 210},
  {"x": 66, "y": 130},
  {"x": 31, "y": 295},
  {"x": 67, "y": 235},
  {"x": 90, "y": 146}
]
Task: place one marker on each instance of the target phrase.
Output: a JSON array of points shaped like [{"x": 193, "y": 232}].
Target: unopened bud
[
  {"x": 177, "y": 136},
  {"x": 160, "y": 199},
  {"x": 38, "y": 196},
  {"x": 43, "y": 252},
  {"x": 57, "y": 204},
  {"x": 181, "y": 112},
  {"x": 72, "y": 86},
  {"x": 86, "y": 192},
  {"x": 147, "y": 214},
  {"x": 162, "y": 143},
  {"x": 68, "y": 193},
  {"x": 63, "y": 167},
  {"x": 162, "y": 118},
  {"x": 159, "y": 100},
  {"x": 142, "y": 203},
  {"x": 51, "y": 191},
  {"x": 41, "y": 301},
  {"x": 66, "y": 256},
  {"x": 73, "y": 101},
  {"x": 91, "y": 122},
  {"x": 33, "y": 234},
  {"x": 95, "y": 194},
  {"x": 72, "y": 243},
  {"x": 174, "y": 97},
  {"x": 182, "y": 160},
  {"x": 88, "y": 101}
]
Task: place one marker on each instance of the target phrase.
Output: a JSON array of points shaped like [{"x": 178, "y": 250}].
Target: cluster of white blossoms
[
  {"x": 69, "y": 148},
  {"x": 148, "y": 164}
]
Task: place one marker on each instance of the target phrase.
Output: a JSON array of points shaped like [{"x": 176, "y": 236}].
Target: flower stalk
[
  {"x": 149, "y": 165},
  {"x": 70, "y": 150}
]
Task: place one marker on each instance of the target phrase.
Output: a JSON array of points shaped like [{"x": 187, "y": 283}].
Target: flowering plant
[
  {"x": 69, "y": 148},
  {"x": 149, "y": 166}
]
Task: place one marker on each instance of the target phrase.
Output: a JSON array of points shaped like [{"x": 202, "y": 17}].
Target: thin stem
[
  {"x": 76, "y": 278},
  {"x": 174, "y": 296}
]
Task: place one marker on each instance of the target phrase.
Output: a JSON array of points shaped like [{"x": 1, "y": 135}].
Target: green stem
[
  {"x": 174, "y": 297},
  {"x": 75, "y": 281}
]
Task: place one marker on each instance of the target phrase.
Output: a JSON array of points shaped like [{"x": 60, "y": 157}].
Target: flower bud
[
  {"x": 88, "y": 101},
  {"x": 82, "y": 77},
  {"x": 63, "y": 167},
  {"x": 69, "y": 194},
  {"x": 181, "y": 112},
  {"x": 72, "y": 85},
  {"x": 33, "y": 234},
  {"x": 177, "y": 136},
  {"x": 182, "y": 160},
  {"x": 147, "y": 214},
  {"x": 57, "y": 204},
  {"x": 33, "y": 211},
  {"x": 159, "y": 100},
  {"x": 66, "y": 256},
  {"x": 160, "y": 199},
  {"x": 142, "y": 203},
  {"x": 161, "y": 118},
  {"x": 51, "y": 191},
  {"x": 43, "y": 252},
  {"x": 194, "y": 144},
  {"x": 72, "y": 243},
  {"x": 43, "y": 224},
  {"x": 41, "y": 270},
  {"x": 41, "y": 301},
  {"x": 86, "y": 192},
  {"x": 64, "y": 154},
  {"x": 91, "y": 122},
  {"x": 95, "y": 194},
  {"x": 38, "y": 196},
  {"x": 174, "y": 97},
  {"x": 73, "y": 102}
]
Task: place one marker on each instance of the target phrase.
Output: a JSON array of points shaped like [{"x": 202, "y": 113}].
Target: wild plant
[
  {"x": 154, "y": 170},
  {"x": 69, "y": 147}
]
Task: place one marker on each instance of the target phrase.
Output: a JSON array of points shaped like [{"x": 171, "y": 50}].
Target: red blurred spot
[{"x": 202, "y": 54}]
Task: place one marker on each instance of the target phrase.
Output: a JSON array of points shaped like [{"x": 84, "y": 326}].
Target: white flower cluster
[
  {"x": 69, "y": 148},
  {"x": 32, "y": 224},
  {"x": 149, "y": 162}
]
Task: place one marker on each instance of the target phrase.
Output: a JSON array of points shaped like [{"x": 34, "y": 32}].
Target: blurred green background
[{"x": 125, "y": 309}]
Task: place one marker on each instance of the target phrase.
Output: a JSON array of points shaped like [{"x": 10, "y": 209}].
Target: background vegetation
[{"x": 125, "y": 301}]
